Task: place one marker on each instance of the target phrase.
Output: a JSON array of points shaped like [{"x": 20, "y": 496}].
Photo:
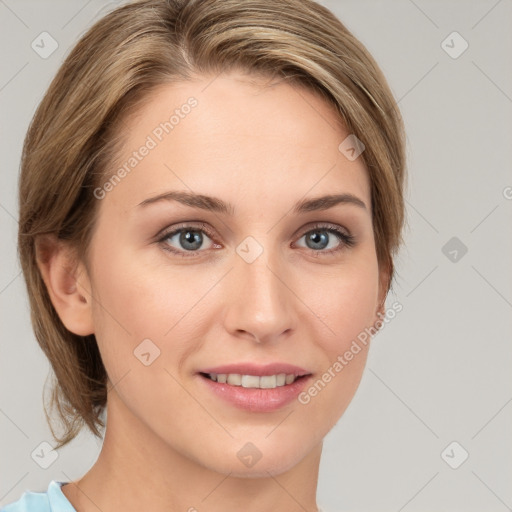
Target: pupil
[
  {"x": 318, "y": 239},
  {"x": 191, "y": 237}
]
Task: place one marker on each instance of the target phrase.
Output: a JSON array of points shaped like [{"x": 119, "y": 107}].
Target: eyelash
[{"x": 347, "y": 239}]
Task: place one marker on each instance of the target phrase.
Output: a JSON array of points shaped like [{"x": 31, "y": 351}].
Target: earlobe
[{"x": 67, "y": 283}]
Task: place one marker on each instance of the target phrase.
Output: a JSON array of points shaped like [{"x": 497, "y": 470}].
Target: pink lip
[
  {"x": 255, "y": 369},
  {"x": 255, "y": 399}
]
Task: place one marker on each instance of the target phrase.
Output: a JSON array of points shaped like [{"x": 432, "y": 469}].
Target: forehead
[{"x": 214, "y": 135}]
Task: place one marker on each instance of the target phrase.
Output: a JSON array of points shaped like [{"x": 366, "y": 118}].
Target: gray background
[{"x": 440, "y": 371}]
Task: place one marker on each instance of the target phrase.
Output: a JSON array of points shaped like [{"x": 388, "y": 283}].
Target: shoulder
[
  {"x": 29, "y": 502},
  {"x": 48, "y": 501}
]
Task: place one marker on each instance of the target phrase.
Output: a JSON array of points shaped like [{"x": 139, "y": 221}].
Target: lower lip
[{"x": 256, "y": 399}]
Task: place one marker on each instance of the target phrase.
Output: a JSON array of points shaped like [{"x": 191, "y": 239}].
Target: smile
[{"x": 253, "y": 381}]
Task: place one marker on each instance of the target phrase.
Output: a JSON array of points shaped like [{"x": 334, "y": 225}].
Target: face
[{"x": 252, "y": 281}]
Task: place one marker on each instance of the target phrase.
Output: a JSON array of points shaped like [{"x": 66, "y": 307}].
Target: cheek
[
  {"x": 138, "y": 299},
  {"x": 345, "y": 300}
]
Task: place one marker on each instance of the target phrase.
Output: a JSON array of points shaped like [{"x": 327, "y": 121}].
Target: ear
[{"x": 67, "y": 282}]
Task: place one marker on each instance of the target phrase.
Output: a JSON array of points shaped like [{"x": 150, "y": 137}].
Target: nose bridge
[
  {"x": 261, "y": 304},
  {"x": 261, "y": 281}
]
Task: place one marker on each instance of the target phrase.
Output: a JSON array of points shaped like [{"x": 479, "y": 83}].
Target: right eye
[{"x": 188, "y": 239}]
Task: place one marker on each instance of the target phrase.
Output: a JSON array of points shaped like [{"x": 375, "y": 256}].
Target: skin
[{"x": 170, "y": 444}]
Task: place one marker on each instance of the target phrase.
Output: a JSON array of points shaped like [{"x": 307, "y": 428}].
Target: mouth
[
  {"x": 254, "y": 381},
  {"x": 255, "y": 388}
]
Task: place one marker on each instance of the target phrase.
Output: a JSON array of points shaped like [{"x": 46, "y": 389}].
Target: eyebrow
[{"x": 215, "y": 204}]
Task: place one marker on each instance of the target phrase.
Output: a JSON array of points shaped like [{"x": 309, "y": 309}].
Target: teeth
[
  {"x": 253, "y": 381},
  {"x": 249, "y": 381},
  {"x": 268, "y": 382},
  {"x": 234, "y": 379}
]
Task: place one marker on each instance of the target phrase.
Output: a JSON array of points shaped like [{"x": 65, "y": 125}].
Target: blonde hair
[{"x": 74, "y": 137}]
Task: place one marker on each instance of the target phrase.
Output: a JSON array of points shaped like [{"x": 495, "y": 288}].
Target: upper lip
[{"x": 256, "y": 369}]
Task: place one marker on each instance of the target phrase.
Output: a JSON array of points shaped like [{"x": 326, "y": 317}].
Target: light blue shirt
[{"x": 53, "y": 500}]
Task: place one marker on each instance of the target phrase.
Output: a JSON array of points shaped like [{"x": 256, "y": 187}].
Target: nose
[{"x": 261, "y": 305}]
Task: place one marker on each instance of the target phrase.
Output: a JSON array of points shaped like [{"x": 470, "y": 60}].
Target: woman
[{"x": 211, "y": 198}]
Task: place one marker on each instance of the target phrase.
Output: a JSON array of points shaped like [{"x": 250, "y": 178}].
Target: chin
[
  {"x": 261, "y": 469},
  {"x": 251, "y": 462}
]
